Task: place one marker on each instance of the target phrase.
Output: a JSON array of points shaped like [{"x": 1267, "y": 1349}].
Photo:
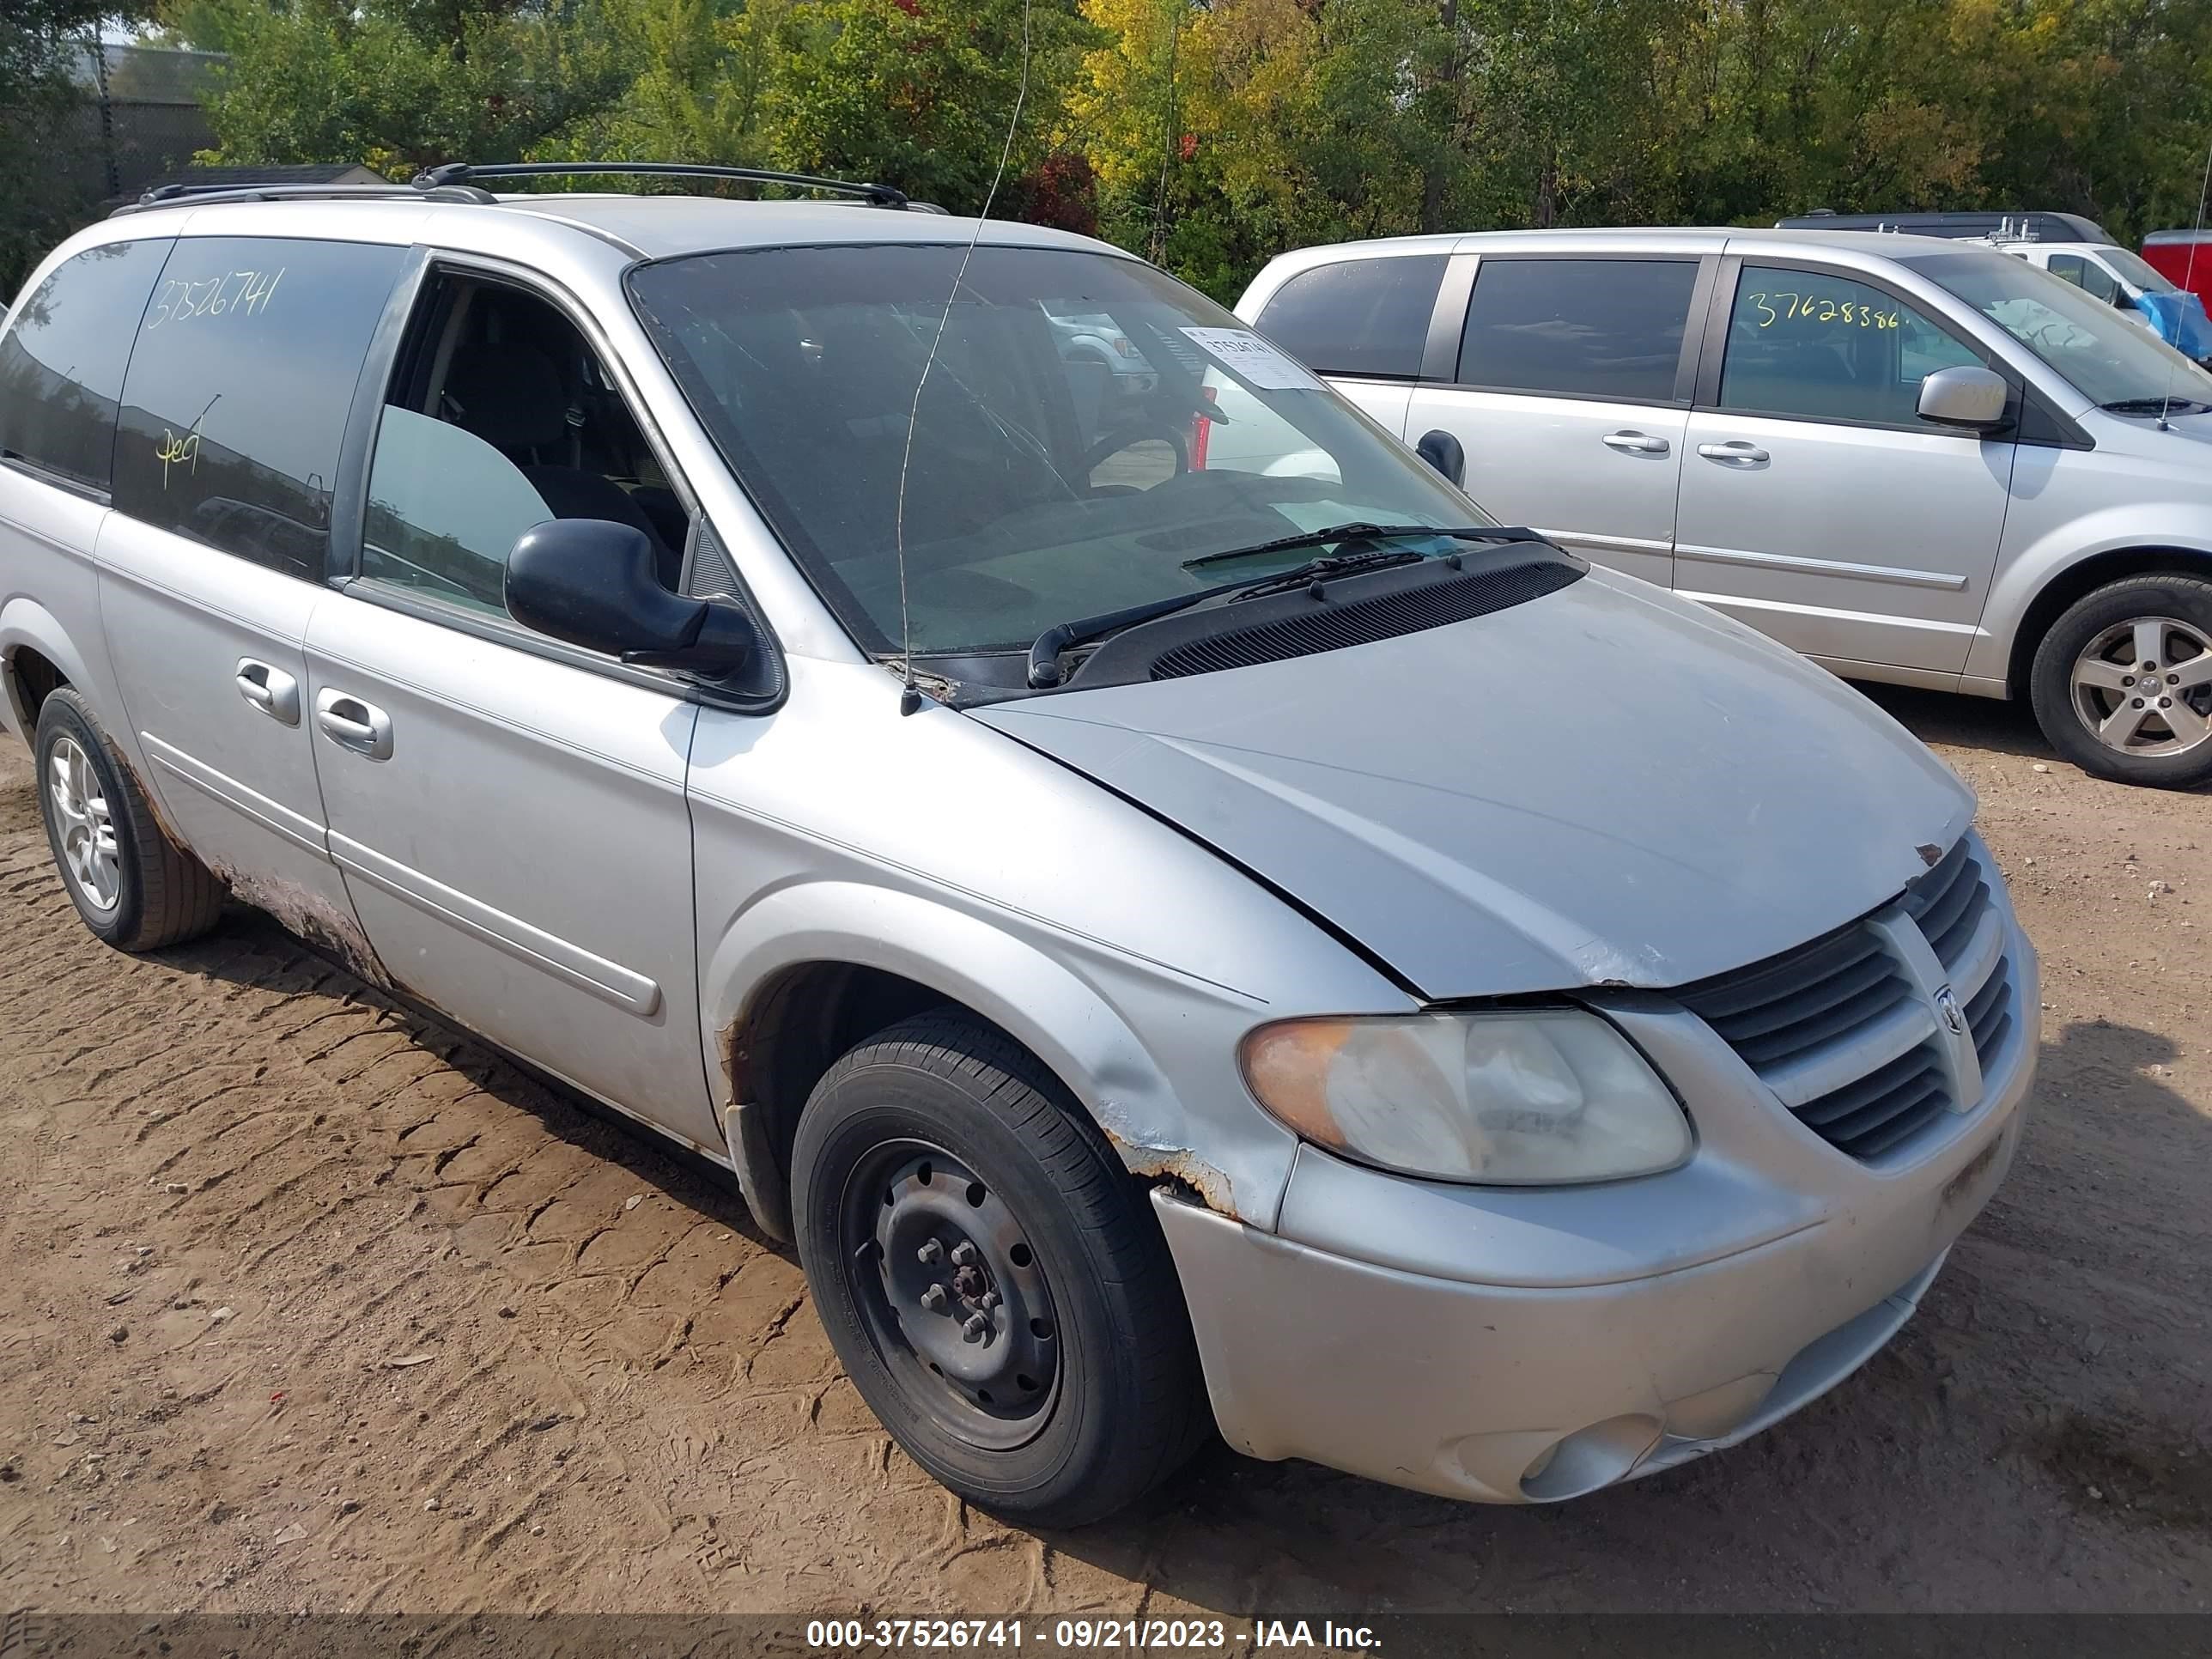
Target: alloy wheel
[
  {"x": 2144, "y": 686},
  {"x": 84, "y": 828}
]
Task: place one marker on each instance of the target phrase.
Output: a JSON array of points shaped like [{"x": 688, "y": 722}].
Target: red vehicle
[{"x": 2184, "y": 257}]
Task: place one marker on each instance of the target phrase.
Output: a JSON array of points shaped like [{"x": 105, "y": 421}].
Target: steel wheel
[
  {"x": 2144, "y": 686},
  {"x": 957, "y": 1305},
  {"x": 89, "y": 858}
]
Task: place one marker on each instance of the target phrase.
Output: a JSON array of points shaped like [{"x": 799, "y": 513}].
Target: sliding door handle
[{"x": 271, "y": 690}]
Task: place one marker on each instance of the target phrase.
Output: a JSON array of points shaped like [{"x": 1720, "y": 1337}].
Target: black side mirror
[
  {"x": 1442, "y": 450},
  {"x": 595, "y": 583}
]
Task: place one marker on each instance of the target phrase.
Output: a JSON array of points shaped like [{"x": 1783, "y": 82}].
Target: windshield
[
  {"x": 2108, "y": 358},
  {"x": 1045, "y": 483},
  {"x": 2136, "y": 271}
]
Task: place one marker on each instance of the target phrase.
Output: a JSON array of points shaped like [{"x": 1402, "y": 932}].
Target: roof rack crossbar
[
  {"x": 462, "y": 173},
  {"x": 198, "y": 195}
]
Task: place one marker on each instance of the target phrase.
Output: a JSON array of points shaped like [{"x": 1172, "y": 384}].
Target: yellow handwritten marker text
[{"x": 172, "y": 451}]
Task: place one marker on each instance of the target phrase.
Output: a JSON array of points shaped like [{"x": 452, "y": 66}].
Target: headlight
[{"x": 1509, "y": 1098}]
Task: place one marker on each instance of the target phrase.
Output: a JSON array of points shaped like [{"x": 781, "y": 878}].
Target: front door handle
[
  {"x": 1735, "y": 450},
  {"x": 1632, "y": 442},
  {"x": 352, "y": 723},
  {"x": 271, "y": 690}
]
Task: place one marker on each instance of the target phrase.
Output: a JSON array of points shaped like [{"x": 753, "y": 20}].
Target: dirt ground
[{"x": 312, "y": 1304}]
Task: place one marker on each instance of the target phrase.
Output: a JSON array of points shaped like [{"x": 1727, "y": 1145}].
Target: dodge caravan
[
  {"x": 1913, "y": 460},
  {"x": 1259, "y": 946}
]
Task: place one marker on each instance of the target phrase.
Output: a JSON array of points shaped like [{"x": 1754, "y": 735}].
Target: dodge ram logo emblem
[{"x": 1947, "y": 1004}]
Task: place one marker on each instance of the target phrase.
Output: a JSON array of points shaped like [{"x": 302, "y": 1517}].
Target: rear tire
[
  {"x": 134, "y": 887},
  {"x": 2122, "y": 685},
  {"x": 942, "y": 1177}
]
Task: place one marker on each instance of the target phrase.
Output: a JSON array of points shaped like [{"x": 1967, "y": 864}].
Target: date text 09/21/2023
[{"x": 1085, "y": 1634}]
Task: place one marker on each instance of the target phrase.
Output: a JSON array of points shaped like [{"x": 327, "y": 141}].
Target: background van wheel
[
  {"x": 992, "y": 1277},
  {"x": 2122, "y": 684},
  {"x": 133, "y": 886}
]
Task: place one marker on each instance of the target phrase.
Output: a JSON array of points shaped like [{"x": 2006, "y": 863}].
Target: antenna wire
[
  {"x": 2189, "y": 278},
  {"x": 910, "y": 697}
]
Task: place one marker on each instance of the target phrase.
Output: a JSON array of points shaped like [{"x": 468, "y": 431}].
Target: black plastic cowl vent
[{"x": 1360, "y": 621}]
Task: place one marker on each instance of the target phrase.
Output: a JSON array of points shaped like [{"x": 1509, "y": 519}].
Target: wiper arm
[
  {"x": 2155, "y": 406},
  {"x": 1329, "y": 564},
  {"x": 1336, "y": 532},
  {"x": 1044, "y": 655}
]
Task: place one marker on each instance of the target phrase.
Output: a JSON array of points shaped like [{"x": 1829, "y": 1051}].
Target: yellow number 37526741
[{"x": 1783, "y": 306}]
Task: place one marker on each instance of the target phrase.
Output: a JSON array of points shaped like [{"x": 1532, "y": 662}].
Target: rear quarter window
[
  {"x": 61, "y": 360},
  {"x": 1608, "y": 328},
  {"x": 1363, "y": 317},
  {"x": 240, "y": 384}
]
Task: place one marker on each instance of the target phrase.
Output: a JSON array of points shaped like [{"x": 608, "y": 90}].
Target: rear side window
[
  {"x": 238, "y": 389},
  {"x": 1360, "y": 317},
  {"x": 61, "y": 363},
  {"x": 2085, "y": 275},
  {"x": 1586, "y": 328}
]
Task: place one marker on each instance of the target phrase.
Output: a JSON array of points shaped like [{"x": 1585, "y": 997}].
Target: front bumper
[{"x": 1555, "y": 1343}]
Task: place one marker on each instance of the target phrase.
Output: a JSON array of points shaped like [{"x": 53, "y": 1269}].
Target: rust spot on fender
[
  {"x": 148, "y": 800},
  {"x": 1182, "y": 1166}
]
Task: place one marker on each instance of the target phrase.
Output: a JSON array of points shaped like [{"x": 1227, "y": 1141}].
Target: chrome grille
[
  {"x": 1846, "y": 1030},
  {"x": 1956, "y": 911}
]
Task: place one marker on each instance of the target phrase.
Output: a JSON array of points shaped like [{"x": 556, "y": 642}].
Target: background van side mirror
[
  {"x": 1442, "y": 450},
  {"x": 1970, "y": 396},
  {"x": 595, "y": 583}
]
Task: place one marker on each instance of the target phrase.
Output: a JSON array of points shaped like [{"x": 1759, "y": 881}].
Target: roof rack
[
  {"x": 455, "y": 182},
  {"x": 172, "y": 195},
  {"x": 463, "y": 173}
]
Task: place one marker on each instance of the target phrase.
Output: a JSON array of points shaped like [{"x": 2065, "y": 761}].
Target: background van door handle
[
  {"x": 1634, "y": 443},
  {"x": 352, "y": 723},
  {"x": 271, "y": 690},
  {"x": 1736, "y": 449}
]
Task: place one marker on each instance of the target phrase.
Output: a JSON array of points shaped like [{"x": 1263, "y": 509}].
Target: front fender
[
  {"x": 2048, "y": 550},
  {"x": 1067, "y": 1018}
]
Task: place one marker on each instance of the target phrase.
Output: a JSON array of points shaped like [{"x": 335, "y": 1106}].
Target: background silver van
[{"x": 1911, "y": 459}]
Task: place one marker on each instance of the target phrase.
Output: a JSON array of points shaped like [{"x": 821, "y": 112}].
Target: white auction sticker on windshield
[{"x": 1253, "y": 358}]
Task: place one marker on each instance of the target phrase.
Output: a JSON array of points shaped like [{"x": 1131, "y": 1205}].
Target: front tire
[
  {"x": 132, "y": 886},
  {"x": 2122, "y": 685},
  {"x": 992, "y": 1277}
]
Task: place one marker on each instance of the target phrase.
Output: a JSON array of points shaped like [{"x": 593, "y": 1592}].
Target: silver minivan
[
  {"x": 1254, "y": 944},
  {"x": 1911, "y": 460}
]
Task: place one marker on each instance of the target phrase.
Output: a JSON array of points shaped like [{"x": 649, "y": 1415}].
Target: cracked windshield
[{"x": 1091, "y": 435}]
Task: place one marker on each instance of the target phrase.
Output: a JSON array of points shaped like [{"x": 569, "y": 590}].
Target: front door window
[{"x": 1825, "y": 348}]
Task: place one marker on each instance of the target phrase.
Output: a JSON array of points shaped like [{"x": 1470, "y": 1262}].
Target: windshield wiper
[
  {"x": 1338, "y": 532},
  {"x": 2161, "y": 406},
  {"x": 1329, "y": 564},
  {"x": 1044, "y": 655}
]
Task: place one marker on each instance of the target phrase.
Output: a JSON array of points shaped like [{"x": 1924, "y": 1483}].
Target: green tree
[
  {"x": 56, "y": 184},
  {"x": 699, "y": 91},
  {"x": 326, "y": 81},
  {"x": 919, "y": 93}
]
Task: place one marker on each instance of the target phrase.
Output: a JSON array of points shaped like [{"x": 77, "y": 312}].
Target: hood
[
  {"x": 1606, "y": 785},
  {"x": 2178, "y": 319}
]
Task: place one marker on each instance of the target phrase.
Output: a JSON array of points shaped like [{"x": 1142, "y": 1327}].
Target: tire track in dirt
[{"x": 360, "y": 1266}]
